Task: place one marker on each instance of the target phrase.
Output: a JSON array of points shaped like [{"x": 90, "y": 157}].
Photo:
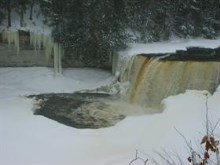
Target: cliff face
[
  {"x": 26, "y": 49},
  {"x": 22, "y": 53},
  {"x": 190, "y": 54}
]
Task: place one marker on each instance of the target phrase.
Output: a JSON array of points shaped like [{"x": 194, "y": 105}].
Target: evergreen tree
[
  {"x": 5, "y": 9},
  {"x": 210, "y": 18},
  {"x": 2, "y": 10},
  {"x": 21, "y": 7},
  {"x": 159, "y": 20},
  {"x": 92, "y": 29},
  {"x": 96, "y": 28},
  {"x": 32, "y": 3}
]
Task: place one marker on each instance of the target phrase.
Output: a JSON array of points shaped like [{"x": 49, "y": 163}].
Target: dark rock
[
  {"x": 79, "y": 110},
  {"x": 191, "y": 54}
]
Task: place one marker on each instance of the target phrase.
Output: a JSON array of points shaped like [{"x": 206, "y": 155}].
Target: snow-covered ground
[
  {"x": 26, "y": 139},
  {"x": 169, "y": 47}
]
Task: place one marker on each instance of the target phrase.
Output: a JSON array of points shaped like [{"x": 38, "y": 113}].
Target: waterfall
[{"x": 151, "y": 79}]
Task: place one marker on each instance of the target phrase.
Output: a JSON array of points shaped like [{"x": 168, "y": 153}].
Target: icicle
[
  {"x": 16, "y": 41},
  {"x": 12, "y": 38},
  {"x": 48, "y": 45},
  {"x": 60, "y": 58},
  {"x": 114, "y": 63},
  {"x": 55, "y": 50},
  {"x": 9, "y": 38},
  {"x": 46, "y": 42},
  {"x": 36, "y": 40},
  {"x": 58, "y": 51},
  {"x": 39, "y": 41},
  {"x": 4, "y": 36}
]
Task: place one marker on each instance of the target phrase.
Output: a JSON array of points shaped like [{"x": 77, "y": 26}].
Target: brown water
[{"x": 152, "y": 80}]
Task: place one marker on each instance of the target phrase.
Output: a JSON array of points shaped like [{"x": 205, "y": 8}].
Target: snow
[
  {"x": 169, "y": 46},
  {"x": 36, "y": 80},
  {"x": 26, "y": 139},
  {"x": 23, "y": 136}
]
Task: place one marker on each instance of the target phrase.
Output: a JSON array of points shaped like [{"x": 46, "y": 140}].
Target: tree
[
  {"x": 21, "y": 6},
  {"x": 92, "y": 29},
  {"x": 96, "y": 28},
  {"x": 32, "y": 3},
  {"x": 18, "y": 5},
  {"x": 159, "y": 20},
  {"x": 2, "y": 11},
  {"x": 149, "y": 20},
  {"x": 5, "y": 5}
]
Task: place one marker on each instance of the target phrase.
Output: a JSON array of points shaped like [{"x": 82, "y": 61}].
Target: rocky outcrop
[
  {"x": 190, "y": 54},
  {"x": 29, "y": 57},
  {"x": 79, "y": 110}
]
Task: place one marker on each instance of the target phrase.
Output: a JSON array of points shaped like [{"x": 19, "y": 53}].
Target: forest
[{"x": 97, "y": 28}]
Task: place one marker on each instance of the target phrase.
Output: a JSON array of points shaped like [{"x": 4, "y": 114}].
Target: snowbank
[
  {"x": 26, "y": 139},
  {"x": 169, "y": 46}
]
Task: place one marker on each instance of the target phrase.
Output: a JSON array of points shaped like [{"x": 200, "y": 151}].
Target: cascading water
[
  {"x": 152, "y": 80},
  {"x": 144, "y": 82}
]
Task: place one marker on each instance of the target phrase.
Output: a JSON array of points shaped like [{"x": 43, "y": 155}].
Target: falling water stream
[{"x": 151, "y": 79}]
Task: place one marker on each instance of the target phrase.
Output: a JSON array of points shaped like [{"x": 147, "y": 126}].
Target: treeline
[
  {"x": 96, "y": 28},
  {"x": 160, "y": 20},
  {"x": 19, "y": 6},
  {"x": 91, "y": 29}
]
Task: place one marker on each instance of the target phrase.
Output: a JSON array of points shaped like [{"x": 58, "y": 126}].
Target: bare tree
[
  {"x": 208, "y": 141},
  {"x": 138, "y": 158}
]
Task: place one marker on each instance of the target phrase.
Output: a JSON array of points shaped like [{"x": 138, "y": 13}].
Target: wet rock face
[
  {"x": 79, "y": 110},
  {"x": 190, "y": 54}
]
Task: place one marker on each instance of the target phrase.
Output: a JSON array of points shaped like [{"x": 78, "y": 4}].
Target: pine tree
[
  {"x": 159, "y": 20},
  {"x": 94, "y": 29},
  {"x": 91, "y": 29},
  {"x": 2, "y": 10},
  {"x": 18, "y": 5},
  {"x": 32, "y": 3},
  {"x": 21, "y": 7},
  {"x": 5, "y": 9}
]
